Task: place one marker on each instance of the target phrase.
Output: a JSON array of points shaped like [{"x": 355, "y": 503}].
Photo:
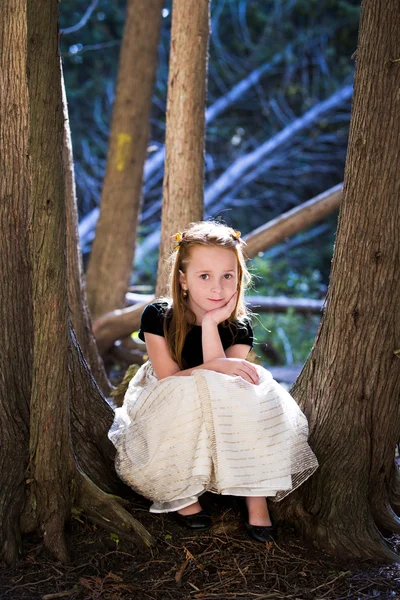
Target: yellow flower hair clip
[
  {"x": 179, "y": 237},
  {"x": 236, "y": 235}
]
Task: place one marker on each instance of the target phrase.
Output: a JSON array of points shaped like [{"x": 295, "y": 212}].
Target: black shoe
[
  {"x": 198, "y": 521},
  {"x": 258, "y": 533},
  {"x": 261, "y": 533}
]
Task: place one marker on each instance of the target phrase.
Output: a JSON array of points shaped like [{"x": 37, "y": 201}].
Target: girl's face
[{"x": 211, "y": 278}]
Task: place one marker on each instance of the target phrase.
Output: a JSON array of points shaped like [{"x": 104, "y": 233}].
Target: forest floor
[{"x": 221, "y": 563}]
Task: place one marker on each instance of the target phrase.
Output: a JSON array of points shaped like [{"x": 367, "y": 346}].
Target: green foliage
[
  {"x": 290, "y": 334},
  {"x": 114, "y": 538}
]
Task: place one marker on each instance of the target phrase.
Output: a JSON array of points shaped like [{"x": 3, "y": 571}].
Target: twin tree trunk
[
  {"x": 350, "y": 385},
  {"x": 47, "y": 394},
  {"x": 111, "y": 260}
]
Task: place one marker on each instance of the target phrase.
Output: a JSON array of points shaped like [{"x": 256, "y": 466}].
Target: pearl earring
[{"x": 185, "y": 293}]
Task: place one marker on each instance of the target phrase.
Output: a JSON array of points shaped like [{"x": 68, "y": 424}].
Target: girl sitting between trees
[{"x": 198, "y": 416}]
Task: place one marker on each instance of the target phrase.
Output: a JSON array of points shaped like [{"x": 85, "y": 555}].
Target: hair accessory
[
  {"x": 179, "y": 237},
  {"x": 236, "y": 235}
]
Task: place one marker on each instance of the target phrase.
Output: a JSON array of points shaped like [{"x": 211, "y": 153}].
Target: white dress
[{"x": 182, "y": 436}]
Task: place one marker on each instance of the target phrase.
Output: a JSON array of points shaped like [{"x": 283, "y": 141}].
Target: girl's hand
[
  {"x": 238, "y": 367},
  {"x": 222, "y": 313}
]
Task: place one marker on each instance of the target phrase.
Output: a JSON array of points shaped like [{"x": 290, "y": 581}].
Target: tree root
[
  {"x": 106, "y": 511},
  {"x": 366, "y": 544},
  {"x": 342, "y": 539},
  {"x": 10, "y": 544},
  {"x": 394, "y": 490},
  {"x": 54, "y": 538},
  {"x": 380, "y": 500},
  {"x": 387, "y": 520}
]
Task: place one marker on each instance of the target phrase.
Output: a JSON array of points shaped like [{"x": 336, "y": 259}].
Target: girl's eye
[
  {"x": 228, "y": 275},
  {"x": 204, "y": 276}
]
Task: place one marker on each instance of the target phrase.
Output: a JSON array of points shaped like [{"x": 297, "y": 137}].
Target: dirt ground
[{"x": 220, "y": 563}]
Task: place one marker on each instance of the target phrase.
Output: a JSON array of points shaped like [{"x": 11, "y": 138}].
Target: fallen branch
[
  {"x": 293, "y": 221},
  {"x": 89, "y": 221},
  {"x": 244, "y": 164},
  {"x": 218, "y": 107},
  {"x": 280, "y": 304},
  {"x": 82, "y": 22},
  {"x": 252, "y": 159},
  {"x": 116, "y": 325}
]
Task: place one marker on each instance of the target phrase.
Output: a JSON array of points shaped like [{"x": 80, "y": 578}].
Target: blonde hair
[{"x": 179, "y": 318}]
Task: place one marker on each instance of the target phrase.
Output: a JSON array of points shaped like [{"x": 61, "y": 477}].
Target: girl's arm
[
  {"x": 212, "y": 345},
  {"x": 165, "y": 366},
  {"x": 161, "y": 360},
  {"x": 238, "y": 351},
  {"x": 210, "y": 338},
  {"x": 211, "y": 341}
]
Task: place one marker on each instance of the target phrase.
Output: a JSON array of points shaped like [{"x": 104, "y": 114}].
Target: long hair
[{"x": 179, "y": 318}]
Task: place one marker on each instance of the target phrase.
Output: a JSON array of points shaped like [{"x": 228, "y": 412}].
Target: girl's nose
[{"x": 216, "y": 286}]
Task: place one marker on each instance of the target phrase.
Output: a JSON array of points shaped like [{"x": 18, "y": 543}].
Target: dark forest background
[{"x": 306, "y": 48}]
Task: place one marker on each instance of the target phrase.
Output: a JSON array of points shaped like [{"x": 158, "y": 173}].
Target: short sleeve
[
  {"x": 244, "y": 333},
  {"x": 152, "y": 320}
]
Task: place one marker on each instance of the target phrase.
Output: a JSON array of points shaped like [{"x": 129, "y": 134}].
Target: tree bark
[
  {"x": 16, "y": 334},
  {"x": 350, "y": 385},
  {"x": 112, "y": 255},
  {"x": 293, "y": 221},
  {"x": 185, "y": 125},
  {"x": 79, "y": 312},
  {"x": 51, "y": 467},
  {"x": 42, "y": 366}
]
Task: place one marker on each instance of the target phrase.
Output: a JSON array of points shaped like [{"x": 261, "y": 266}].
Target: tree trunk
[
  {"x": 184, "y": 142},
  {"x": 112, "y": 255},
  {"x": 15, "y": 267},
  {"x": 51, "y": 467},
  {"x": 350, "y": 385},
  {"x": 79, "y": 312},
  {"x": 42, "y": 367}
]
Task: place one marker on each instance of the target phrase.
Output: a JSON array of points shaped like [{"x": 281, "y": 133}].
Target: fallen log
[{"x": 293, "y": 221}]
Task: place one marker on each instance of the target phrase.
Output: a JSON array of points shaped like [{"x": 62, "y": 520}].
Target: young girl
[{"x": 198, "y": 416}]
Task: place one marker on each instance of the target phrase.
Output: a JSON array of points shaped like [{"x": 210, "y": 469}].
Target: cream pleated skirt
[{"x": 182, "y": 436}]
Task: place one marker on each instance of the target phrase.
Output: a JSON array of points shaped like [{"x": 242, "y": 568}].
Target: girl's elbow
[{"x": 163, "y": 375}]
